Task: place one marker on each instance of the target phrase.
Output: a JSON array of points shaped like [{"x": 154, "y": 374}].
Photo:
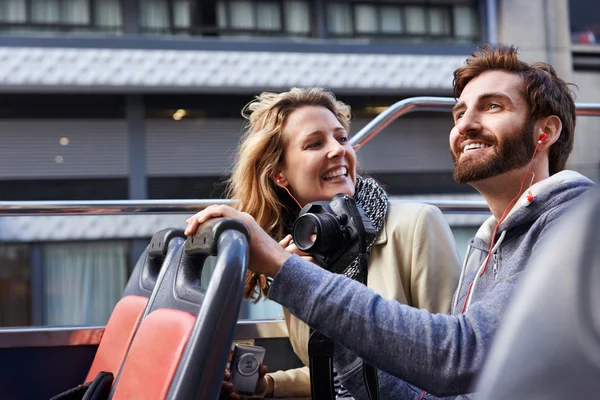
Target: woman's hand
[
  {"x": 266, "y": 255},
  {"x": 291, "y": 248},
  {"x": 265, "y": 386}
]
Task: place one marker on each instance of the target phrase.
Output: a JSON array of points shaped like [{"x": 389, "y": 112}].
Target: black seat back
[
  {"x": 178, "y": 353},
  {"x": 200, "y": 372},
  {"x": 147, "y": 269}
]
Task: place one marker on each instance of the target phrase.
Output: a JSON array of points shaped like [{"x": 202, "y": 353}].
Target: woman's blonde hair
[{"x": 260, "y": 157}]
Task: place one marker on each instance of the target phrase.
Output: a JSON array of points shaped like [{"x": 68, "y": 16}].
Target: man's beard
[{"x": 511, "y": 153}]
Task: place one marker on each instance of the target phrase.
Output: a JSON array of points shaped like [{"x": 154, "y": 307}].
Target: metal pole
[
  {"x": 397, "y": 110},
  {"x": 437, "y": 104},
  {"x": 105, "y": 206},
  {"x": 171, "y": 206},
  {"x": 136, "y": 132},
  {"x": 492, "y": 21}
]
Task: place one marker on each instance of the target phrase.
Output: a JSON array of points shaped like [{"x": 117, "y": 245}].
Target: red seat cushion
[
  {"x": 118, "y": 335},
  {"x": 154, "y": 355}
]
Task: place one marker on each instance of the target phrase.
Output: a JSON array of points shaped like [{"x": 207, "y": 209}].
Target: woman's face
[{"x": 319, "y": 160}]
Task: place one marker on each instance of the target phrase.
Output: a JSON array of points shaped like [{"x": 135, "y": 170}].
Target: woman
[{"x": 296, "y": 151}]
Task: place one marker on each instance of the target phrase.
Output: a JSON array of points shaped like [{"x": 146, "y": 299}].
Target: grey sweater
[{"x": 412, "y": 348}]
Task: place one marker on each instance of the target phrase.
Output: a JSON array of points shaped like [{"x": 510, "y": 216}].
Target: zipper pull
[{"x": 495, "y": 266}]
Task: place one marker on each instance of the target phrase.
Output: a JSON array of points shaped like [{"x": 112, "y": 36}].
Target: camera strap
[
  {"x": 320, "y": 353},
  {"x": 371, "y": 380},
  {"x": 320, "y": 347},
  {"x": 369, "y": 372}
]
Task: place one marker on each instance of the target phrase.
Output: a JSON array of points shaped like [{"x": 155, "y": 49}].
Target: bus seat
[
  {"x": 147, "y": 269},
  {"x": 181, "y": 348},
  {"x": 154, "y": 355},
  {"x": 548, "y": 346},
  {"x": 128, "y": 312}
]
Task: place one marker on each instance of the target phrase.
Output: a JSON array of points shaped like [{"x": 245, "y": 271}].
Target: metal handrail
[
  {"x": 106, "y": 206},
  {"x": 51, "y": 336},
  {"x": 16, "y": 208},
  {"x": 398, "y": 109},
  {"x": 426, "y": 103}
]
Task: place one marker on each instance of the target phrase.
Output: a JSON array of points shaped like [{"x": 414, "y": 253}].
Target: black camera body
[{"x": 330, "y": 231}]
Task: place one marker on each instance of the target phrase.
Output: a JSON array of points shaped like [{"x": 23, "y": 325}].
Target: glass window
[
  {"x": 181, "y": 13},
  {"x": 462, "y": 235},
  {"x": 297, "y": 17},
  {"x": 439, "y": 21},
  {"x": 465, "y": 22},
  {"x": 339, "y": 19},
  {"x": 154, "y": 16},
  {"x": 401, "y": 19},
  {"x": 15, "y": 285},
  {"x": 268, "y": 16},
  {"x": 391, "y": 20},
  {"x": 227, "y": 17},
  {"x": 263, "y": 309},
  {"x": 365, "y": 19},
  {"x": 83, "y": 281},
  {"x": 222, "y": 14},
  {"x": 45, "y": 11},
  {"x": 13, "y": 11},
  {"x": 416, "y": 18},
  {"x": 61, "y": 15},
  {"x": 264, "y": 17},
  {"x": 584, "y": 18},
  {"x": 75, "y": 11},
  {"x": 241, "y": 15},
  {"x": 108, "y": 15}
]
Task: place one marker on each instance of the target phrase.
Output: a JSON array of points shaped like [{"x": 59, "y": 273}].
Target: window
[
  {"x": 411, "y": 20},
  {"x": 227, "y": 17},
  {"x": 78, "y": 283},
  {"x": 15, "y": 285},
  {"x": 61, "y": 15},
  {"x": 584, "y": 19},
  {"x": 83, "y": 281}
]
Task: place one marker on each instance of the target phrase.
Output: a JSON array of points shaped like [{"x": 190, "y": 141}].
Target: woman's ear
[
  {"x": 280, "y": 180},
  {"x": 549, "y": 130}
]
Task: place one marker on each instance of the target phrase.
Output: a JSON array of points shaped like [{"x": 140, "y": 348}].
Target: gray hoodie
[{"x": 436, "y": 352}]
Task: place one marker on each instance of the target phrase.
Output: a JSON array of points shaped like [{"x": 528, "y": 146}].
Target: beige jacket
[{"x": 413, "y": 260}]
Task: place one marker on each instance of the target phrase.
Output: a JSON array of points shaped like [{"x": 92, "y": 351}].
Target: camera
[
  {"x": 244, "y": 367},
  {"x": 331, "y": 231}
]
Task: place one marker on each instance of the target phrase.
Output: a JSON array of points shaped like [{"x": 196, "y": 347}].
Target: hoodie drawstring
[
  {"x": 460, "y": 280},
  {"x": 481, "y": 271}
]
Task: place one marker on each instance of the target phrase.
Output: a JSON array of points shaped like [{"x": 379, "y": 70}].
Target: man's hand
[
  {"x": 266, "y": 255},
  {"x": 291, "y": 248}
]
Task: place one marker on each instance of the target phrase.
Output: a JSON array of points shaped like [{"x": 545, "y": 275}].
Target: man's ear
[{"x": 548, "y": 130}]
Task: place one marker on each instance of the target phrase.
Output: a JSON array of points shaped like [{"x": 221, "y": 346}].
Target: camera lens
[
  {"x": 248, "y": 364},
  {"x": 305, "y": 232},
  {"x": 315, "y": 233}
]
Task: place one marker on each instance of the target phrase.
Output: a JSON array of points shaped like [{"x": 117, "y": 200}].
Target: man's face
[{"x": 492, "y": 133}]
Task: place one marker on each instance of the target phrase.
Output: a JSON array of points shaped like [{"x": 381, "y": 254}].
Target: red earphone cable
[{"x": 542, "y": 138}]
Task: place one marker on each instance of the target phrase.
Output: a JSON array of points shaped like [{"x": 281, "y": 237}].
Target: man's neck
[{"x": 500, "y": 190}]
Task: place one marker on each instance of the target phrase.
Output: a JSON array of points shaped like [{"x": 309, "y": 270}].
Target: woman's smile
[{"x": 319, "y": 162}]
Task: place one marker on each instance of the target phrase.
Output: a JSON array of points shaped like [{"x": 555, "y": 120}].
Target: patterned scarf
[{"x": 373, "y": 200}]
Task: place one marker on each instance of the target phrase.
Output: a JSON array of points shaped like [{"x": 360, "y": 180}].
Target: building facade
[{"x": 141, "y": 99}]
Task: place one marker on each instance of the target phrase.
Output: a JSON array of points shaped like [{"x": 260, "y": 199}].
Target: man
[{"x": 514, "y": 127}]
